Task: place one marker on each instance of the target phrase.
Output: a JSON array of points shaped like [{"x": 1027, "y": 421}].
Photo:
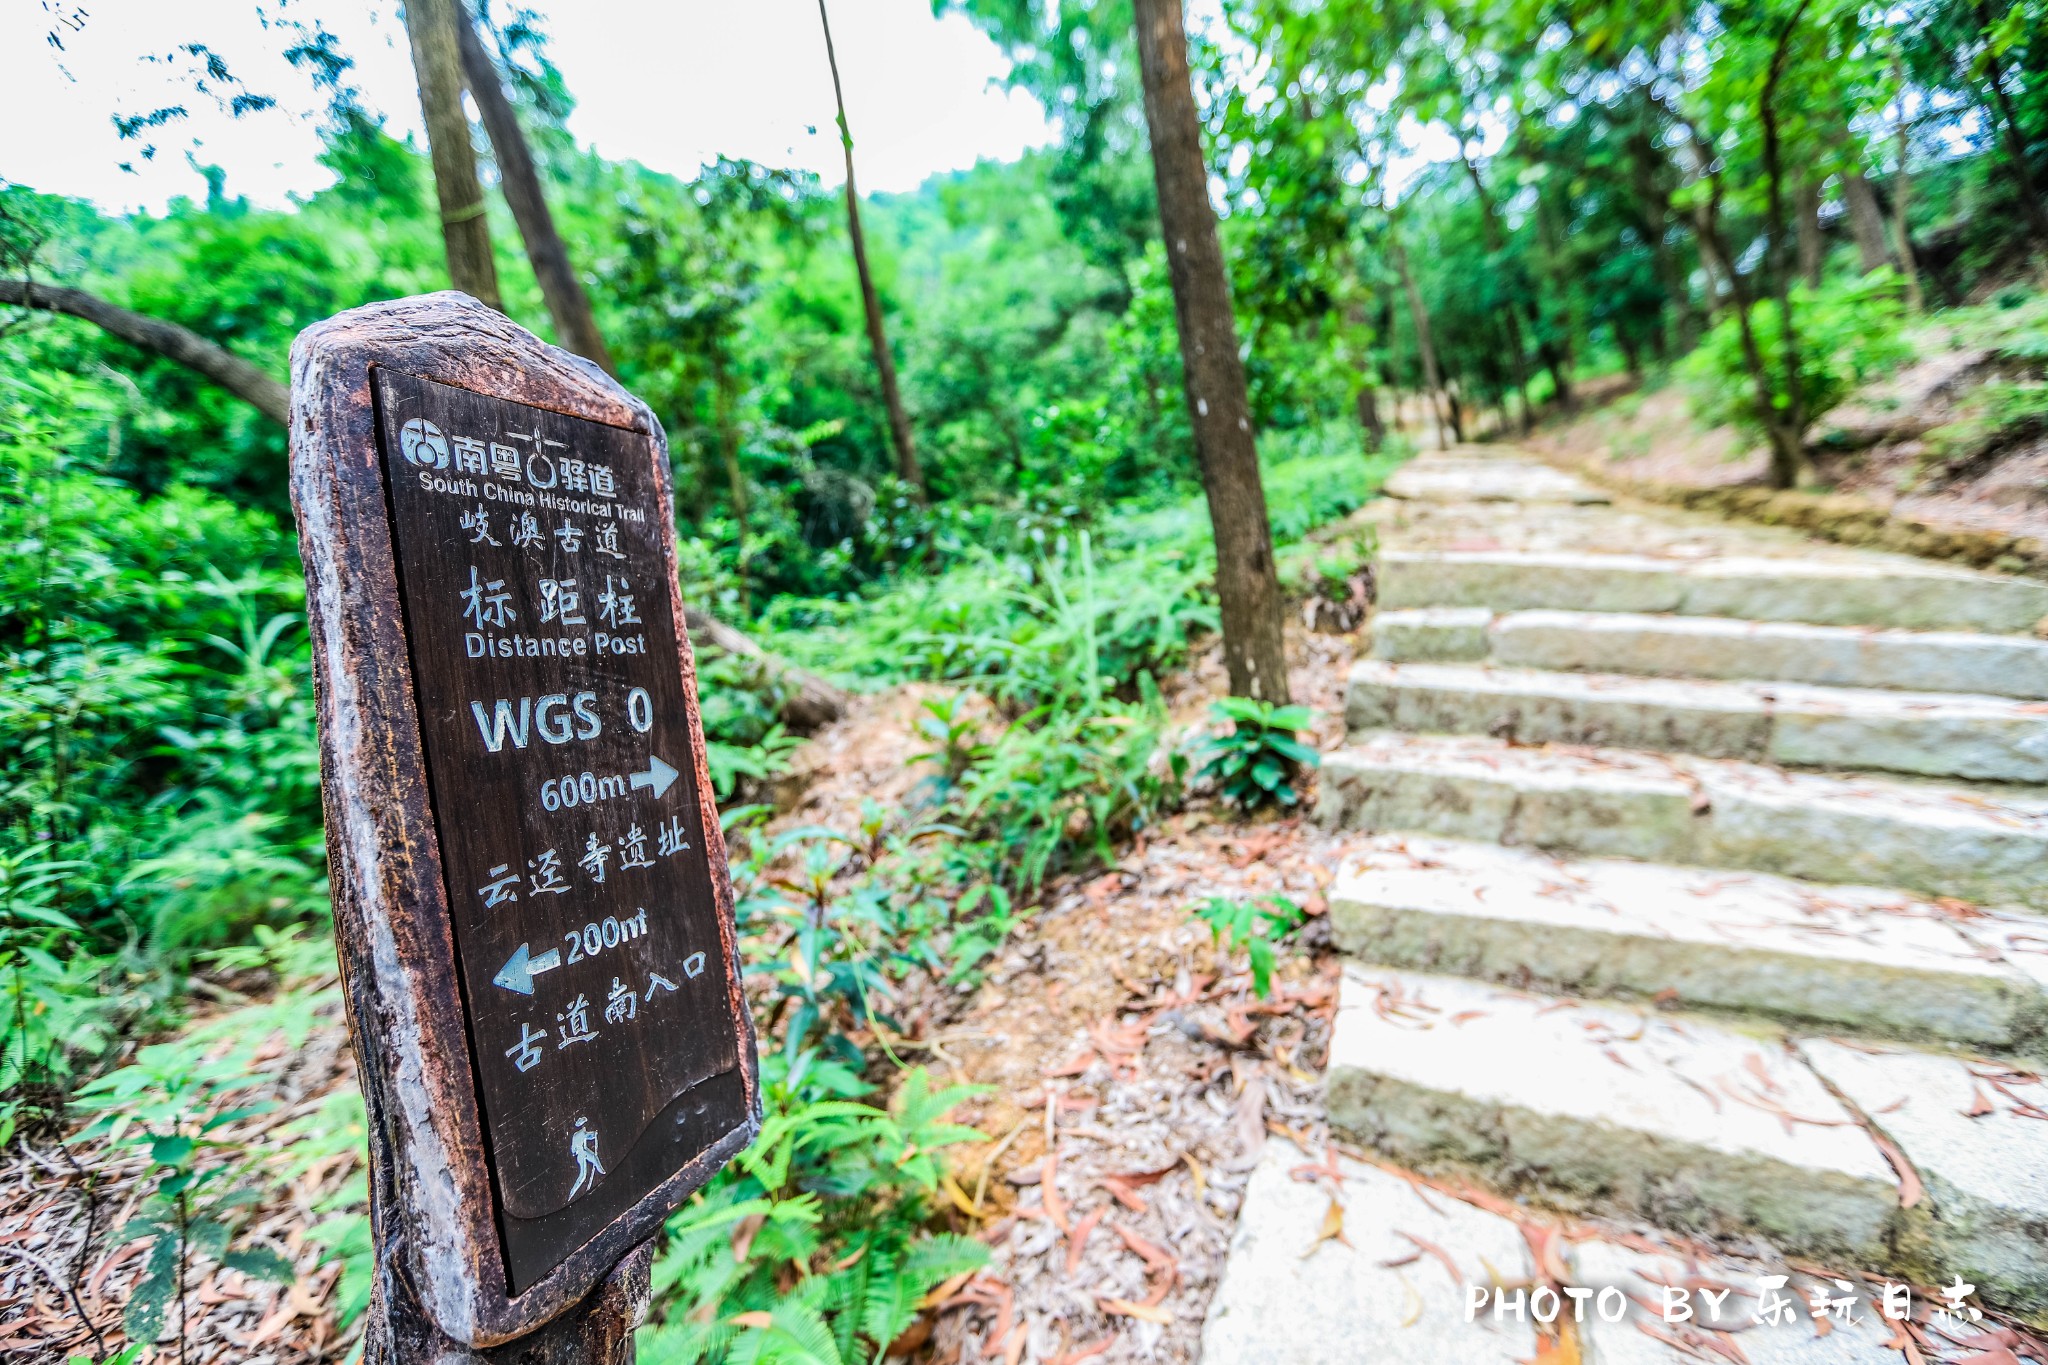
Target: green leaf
[
  {"x": 1261, "y": 953},
  {"x": 143, "y": 1318},
  {"x": 170, "y": 1151},
  {"x": 261, "y": 1263},
  {"x": 1289, "y": 718}
]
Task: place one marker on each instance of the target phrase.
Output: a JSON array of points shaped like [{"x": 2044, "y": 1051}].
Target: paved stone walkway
[{"x": 1697, "y": 894}]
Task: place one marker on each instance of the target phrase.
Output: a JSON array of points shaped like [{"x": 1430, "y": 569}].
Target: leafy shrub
[
  {"x": 2013, "y": 326},
  {"x": 813, "y": 1247},
  {"x": 1253, "y": 928},
  {"x": 1061, "y": 781},
  {"x": 1850, "y": 332},
  {"x": 1995, "y": 414},
  {"x": 177, "y": 1102},
  {"x": 1258, "y": 761},
  {"x": 159, "y": 781}
]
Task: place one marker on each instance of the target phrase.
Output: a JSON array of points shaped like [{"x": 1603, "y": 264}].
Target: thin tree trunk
[
  {"x": 1495, "y": 243},
  {"x": 1247, "y": 586},
  {"x": 885, "y": 365},
  {"x": 568, "y": 304},
  {"x": 1369, "y": 423},
  {"x": 433, "y": 26},
  {"x": 1902, "y": 189},
  {"x": 1866, "y": 221},
  {"x": 729, "y": 452},
  {"x": 1789, "y": 430},
  {"x": 1367, "y": 399},
  {"x": 1425, "y": 343},
  {"x": 1721, "y": 284},
  {"x": 1715, "y": 256},
  {"x": 1806, "y": 203},
  {"x": 214, "y": 363}
]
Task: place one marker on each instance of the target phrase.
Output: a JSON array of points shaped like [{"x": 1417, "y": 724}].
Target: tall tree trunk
[
  {"x": 434, "y": 29},
  {"x": 1680, "y": 321},
  {"x": 878, "y": 338},
  {"x": 1866, "y": 221},
  {"x": 1806, "y": 204},
  {"x": 1425, "y": 342},
  {"x": 213, "y": 363},
  {"x": 2015, "y": 137},
  {"x": 1247, "y": 585},
  {"x": 568, "y": 304}
]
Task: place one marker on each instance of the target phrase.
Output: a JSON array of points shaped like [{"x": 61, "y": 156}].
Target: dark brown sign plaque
[{"x": 532, "y": 903}]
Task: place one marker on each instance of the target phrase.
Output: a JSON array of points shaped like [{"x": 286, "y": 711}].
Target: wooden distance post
[{"x": 531, "y": 899}]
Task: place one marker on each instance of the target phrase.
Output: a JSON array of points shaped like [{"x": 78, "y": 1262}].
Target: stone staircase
[{"x": 1696, "y": 890}]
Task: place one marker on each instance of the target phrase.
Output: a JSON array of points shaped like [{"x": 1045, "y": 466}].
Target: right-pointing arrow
[
  {"x": 521, "y": 968},
  {"x": 659, "y": 776}
]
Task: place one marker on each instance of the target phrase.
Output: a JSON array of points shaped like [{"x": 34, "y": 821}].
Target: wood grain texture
[{"x": 433, "y": 1200}]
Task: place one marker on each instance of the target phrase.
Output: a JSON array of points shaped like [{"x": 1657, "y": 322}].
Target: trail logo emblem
[{"x": 424, "y": 444}]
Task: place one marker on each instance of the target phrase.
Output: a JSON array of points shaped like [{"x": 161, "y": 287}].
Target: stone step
[
  {"x": 1977, "y": 1134},
  {"x": 1714, "y": 647},
  {"x": 1594, "y": 1109},
  {"x": 1881, "y": 591},
  {"x": 1452, "y": 479},
  {"x": 1924, "y": 837},
  {"x": 1701, "y": 1129},
  {"x": 1856, "y": 958},
  {"x": 1933, "y": 734},
  {"x": 1379, "y": 1297}
]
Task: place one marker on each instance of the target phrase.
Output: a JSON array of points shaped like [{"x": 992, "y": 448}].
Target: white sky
[{"x": 669, "y": 84}]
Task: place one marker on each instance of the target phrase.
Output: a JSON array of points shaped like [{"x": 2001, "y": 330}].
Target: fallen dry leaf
[
  {"x": 1125, "y": 1308},
  {"x": 1443, "y": 1257},
  {"x": 1077, "y": 1240},
  {"x": 1048, "y": 1185},
  {"x": 1332, "y": 1229}
]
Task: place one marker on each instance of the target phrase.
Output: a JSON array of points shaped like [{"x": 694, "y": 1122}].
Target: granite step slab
[
  {"x": 1901, "y": 1162},
  {"x": 1456, "y": 480},
  {"x": 1983, "y": 738},
  {"x": 1376, "y": 1299},
  {"x": 1716, "y": 647},
  {"x": 1861, "y": 959},
  {"x": 1286, "y": 1299},
  {"x": 1932, "y": 838},
  {"x": 1594, "y": 1109},
  {"x": 1977, "y": 1134},
  {"x": 1882, "y": 591}
]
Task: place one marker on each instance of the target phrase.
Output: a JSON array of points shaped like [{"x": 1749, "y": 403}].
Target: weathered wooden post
[{"x": 531, "y": 897}]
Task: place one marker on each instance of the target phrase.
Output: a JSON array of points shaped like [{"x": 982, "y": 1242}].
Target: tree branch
[
  {"x": 167, "y": 339},
  {"x": 813, "y": 702}
]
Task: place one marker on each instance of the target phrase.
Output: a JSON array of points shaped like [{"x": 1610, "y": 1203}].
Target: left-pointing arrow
[{"x": 519, "y": 971}]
